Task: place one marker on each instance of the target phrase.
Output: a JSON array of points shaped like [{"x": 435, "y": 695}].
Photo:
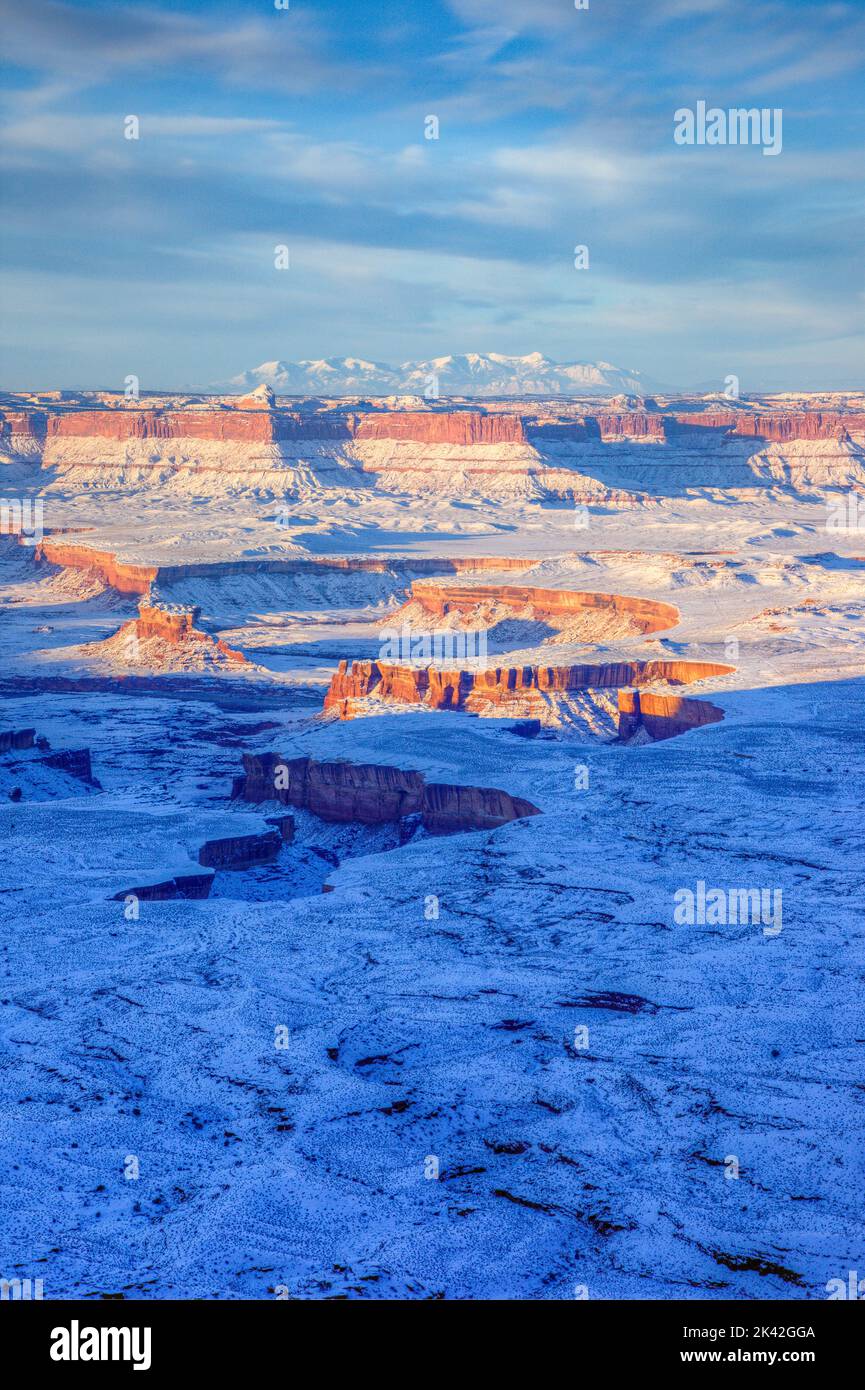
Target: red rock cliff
[
  {"x": 262, "y": 424},
  {"x": 162, "y": 424},
  {"x": 663, "y": 716},
  {"x": 461, "y": 689},
  {"x": 372, "y": 793},
  {"x": 636, "y": 424},
  {"x": 29, "y": 422},
  {"x": 778, "y": 427},
  {"x": 442, "y": 427},
  {"x": 173, "y": 626},
  {"x": 136, "y": 579},
  {"x": 125, "y": 578},
  {"x": 258, "y": 422},
  {"x": 177, "y": 628},
  {"x": 441, "y": 599}
]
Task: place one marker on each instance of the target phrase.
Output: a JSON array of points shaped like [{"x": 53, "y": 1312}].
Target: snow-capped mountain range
[{"x": 466, "y": 374}]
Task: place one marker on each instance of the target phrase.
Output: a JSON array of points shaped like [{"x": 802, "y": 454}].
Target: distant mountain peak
[{"x": 454, "y": 374}]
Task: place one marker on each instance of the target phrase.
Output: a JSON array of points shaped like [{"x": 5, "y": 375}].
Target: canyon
[
  {"x": 613, "y": 452},
  {"x": 580, "y": 450},
  {"x": 451, "y": 868}
]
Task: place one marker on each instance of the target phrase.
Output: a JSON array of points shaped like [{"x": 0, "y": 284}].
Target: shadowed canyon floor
[{"x": 355, "y": 1056}]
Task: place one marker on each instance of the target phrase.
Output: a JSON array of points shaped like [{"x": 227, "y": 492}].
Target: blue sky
[{"x": 261, "y": 127}]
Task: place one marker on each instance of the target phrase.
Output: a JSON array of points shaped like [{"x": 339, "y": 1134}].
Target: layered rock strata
[
  {"x": 662, "y": 716},
  {"x": 176, "y": 627},
  {"x": 440, "y": 600},
  {"x": 498, "y": 685},
  {"x": 128, "y": 578},
  {"x": 125, "y": 578},
  {"x": 259, "y": 420},
  {"x": 778, "y": 427},
  {"x": 189, "y": 885},
  {"x": 372, "y": 793},
  {"x": 170, "y": 625},
  {"x": 241, "y": 851},
  {"x": 73, "y": 761}
]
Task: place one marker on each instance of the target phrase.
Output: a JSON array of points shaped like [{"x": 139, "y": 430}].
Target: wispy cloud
[{"x": 307, "y": 127}]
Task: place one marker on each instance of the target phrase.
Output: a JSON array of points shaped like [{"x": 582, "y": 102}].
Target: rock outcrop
[
  {"x": 262, "y": 398},
  {"x": 637, "y": 424},
  {"x": 256, "y": 422},
  {"x": 774, "y": 427},
  {"x": 241, "y": 851},
  {"x": 498, "y": 685},
  {"x": 189, "y": 885},
  {"x": 256, "y": 418},
  {"x": 16, "y": 739},
  {"x": 441, "y": 427},
  {"x": 125, "y": 578},
  {"x": 171, "y": 625},
  {"x": 147, "y": 636},
  {"x": 662, "y": 716},
  {"x": 373, "y": 793},
  {"x": 439, "y": 600},
  {"x": 446, "y": 809},
  {"x": 284, "y": 824},
  {"x": 73, "y": 761},
  {"x": 224, "y": 425},
  {"x": 22, "y": 433},
  {"x": 128, "y": 578}
]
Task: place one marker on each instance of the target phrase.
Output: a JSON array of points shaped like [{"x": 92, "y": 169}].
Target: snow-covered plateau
[{"x": 609, "y": 1046}]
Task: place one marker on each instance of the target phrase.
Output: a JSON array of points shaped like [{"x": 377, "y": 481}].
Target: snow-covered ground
[{"x": 489, "y": 1064}]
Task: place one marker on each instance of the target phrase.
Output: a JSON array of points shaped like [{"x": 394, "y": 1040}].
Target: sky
[{"x": 305, "y": 127}]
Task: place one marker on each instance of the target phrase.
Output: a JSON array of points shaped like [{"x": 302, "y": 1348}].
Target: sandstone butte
[
  {"x": 498, "y": 685},
  {"x": 177, "y": 627},
  {"x": 372, "y": 794},
  {"x": 257, "y": 421}
]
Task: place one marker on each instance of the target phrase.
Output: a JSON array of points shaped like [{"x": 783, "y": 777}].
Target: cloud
[
  {"x": 556, "y": 130},
  {"x": 85, "y": 135},
  {"x": 284, "y": 50}
]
